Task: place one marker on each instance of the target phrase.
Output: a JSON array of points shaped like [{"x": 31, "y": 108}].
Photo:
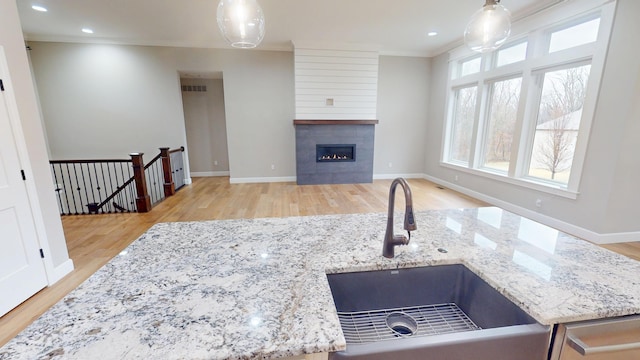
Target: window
[
  {"x": 471, "y": 66},
  {"x": 503, "y": 108},
  {"x": 464, "y": 113},
  {"x": 511, "y": 54},
  {"x": 558, "y": 124},
  {"x": 528, "y": 123},
  {"x": 583, "y": 33}
]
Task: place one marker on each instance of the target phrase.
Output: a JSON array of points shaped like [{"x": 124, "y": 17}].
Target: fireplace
[
  {"x": 335, "y": 152},
  {"x": 326, "y": 151}
]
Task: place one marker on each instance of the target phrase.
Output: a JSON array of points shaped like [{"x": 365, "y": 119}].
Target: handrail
[
  {"x": 115, "y": 193},
  {"x": 89, "y": 161},
  {"x": 181, "y": 148},
  {"x": 152, "y": 161},
  {"x": 81, "y": 183}
]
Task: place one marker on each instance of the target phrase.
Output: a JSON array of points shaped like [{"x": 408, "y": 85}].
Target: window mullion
[
  {"x": 528, "y": 123},
  {"x": 527, "y": 112},
  {"x": 515, "y": 162},
  {"x": 476, "y": 138}
]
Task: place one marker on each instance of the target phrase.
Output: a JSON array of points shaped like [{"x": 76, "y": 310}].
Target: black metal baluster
[
  {"x": 73, "y": 196},
  {"x": 149, "y": 178},
  {"x": 64, "y": 188},
  {"x": 78, "y": 189},
  {"x": 57, "y": 189},
  {"x": 125, "y": 201},
  {"x": 131, "y": 198},
  {"x": 113, "y": 188},
  {"x": 99, "y": 186},
  {"x": 152, "y": 180},
  {"x": 122, "y": 174},
  {"x": 87, "y": 189}
]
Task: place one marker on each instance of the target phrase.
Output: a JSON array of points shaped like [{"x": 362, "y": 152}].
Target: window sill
[{"x": 522, "y": 182}]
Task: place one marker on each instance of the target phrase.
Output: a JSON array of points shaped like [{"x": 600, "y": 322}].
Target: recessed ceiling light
[
  {"x": 432, "y": 33},
  {"x": 39, "y": 8},
  {"x": 87, "y": 31}
]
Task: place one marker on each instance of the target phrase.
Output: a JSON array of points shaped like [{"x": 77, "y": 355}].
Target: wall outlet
[
  {"x": 455, "y": 178},
  {"x": 538, "y": 203},
  {"x": 215, "y": 162},
  {"x": 273, "y": 166},
  {"x": 390, "y": 164}
]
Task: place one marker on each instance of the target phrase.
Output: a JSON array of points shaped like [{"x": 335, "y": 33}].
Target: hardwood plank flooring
[{"x": 92, "y": 240}]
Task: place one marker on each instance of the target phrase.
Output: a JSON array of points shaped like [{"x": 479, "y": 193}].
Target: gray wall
[
  {"x": 108, "y": 100},
  {"x": 403, "y": 97},
  {"x": 94, "y": 100},
  {"x": 206, "y": 127},
  {"x": 609, "y": 197}
]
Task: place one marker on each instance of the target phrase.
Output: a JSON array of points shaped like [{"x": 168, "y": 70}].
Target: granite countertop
[{"x": 257, "y": 289}]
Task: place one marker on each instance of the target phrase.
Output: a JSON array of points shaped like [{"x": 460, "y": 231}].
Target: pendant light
[
  {"x": 241, "y": 22},
  {"x": 488, "y": 28}
]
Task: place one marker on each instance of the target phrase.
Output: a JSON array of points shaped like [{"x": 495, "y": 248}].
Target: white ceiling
[{"x": 397, "y": 27}]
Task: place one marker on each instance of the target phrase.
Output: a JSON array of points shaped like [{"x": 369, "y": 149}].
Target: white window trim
[{"x": 538, "y": 34}]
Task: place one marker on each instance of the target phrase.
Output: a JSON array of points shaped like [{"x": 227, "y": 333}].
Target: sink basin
[{"x": 436, "y": 312}]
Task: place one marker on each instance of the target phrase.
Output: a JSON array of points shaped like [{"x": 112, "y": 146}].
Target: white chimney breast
[{"x": 335, "y": 82}]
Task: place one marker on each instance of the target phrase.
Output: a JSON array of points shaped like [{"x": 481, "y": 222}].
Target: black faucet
[{"x": 390, "y": 240}]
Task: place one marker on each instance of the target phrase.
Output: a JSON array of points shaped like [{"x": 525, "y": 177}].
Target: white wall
[
  {"x": 34, "y": 159},
  {"x": 607, "y": 203},
  {"x": 206, "y": 128}
]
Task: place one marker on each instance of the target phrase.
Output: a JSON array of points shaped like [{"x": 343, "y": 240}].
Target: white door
[{"x": 22, "y": 271}]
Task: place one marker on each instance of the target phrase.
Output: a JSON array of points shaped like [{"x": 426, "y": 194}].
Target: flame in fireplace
[{"x": 335, "y": 157}]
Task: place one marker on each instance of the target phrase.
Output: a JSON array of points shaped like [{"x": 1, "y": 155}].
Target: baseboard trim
[
  {"x": 209, "y": 173},
  {"x": 261, "y": 180},
  {"x": 56, "y": 273},
  {"x": 592, "y": 236},
  {"x": 393, "y": 176}
]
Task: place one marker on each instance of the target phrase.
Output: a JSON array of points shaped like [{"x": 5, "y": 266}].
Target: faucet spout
[{"x": 391, "y": 240}]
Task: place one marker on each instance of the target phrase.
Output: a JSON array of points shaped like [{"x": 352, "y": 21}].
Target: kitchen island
[{"x": 257, "y": 288}]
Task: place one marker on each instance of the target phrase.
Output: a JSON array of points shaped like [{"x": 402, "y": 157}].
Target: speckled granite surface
[{"x": 256, "y": 289}]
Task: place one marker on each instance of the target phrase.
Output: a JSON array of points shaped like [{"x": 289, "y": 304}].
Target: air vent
[{"x": 196, "y": 88}]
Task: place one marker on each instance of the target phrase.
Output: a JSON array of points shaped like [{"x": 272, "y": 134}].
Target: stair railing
[{"x": 116, "y": 185}]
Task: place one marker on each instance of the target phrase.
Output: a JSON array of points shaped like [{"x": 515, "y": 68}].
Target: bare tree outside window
[
  {"x": 463, "y": 117},
  {"x": 563, "y": 94},
  {"x": 504, "y": 99}
]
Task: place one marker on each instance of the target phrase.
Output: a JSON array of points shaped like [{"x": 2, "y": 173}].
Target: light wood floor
[{"x": 92, "y": 240}]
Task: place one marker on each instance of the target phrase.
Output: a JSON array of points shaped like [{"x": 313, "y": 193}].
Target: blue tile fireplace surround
[{"x": 316, "y": 164}]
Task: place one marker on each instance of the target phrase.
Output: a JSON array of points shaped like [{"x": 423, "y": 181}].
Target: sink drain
[{"x": 401, "y": 324}]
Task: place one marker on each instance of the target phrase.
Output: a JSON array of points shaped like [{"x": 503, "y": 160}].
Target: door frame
[{"x": 53, "y": 273}]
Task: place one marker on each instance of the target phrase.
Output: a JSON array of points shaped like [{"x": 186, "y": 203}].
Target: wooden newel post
[
  {"x": 143, "y": 201},
  {"x": 169, "y": 185}
]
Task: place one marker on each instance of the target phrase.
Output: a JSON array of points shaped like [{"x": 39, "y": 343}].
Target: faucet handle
[{"x": 401, "y": 239}]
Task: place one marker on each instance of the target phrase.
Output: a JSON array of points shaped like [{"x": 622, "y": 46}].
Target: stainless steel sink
[{"x": 437, "y": 312}]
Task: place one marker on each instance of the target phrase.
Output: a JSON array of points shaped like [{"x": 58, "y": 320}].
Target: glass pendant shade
[
  {"x": 488, "y": 28},
  {"x": 241, "y": 22}
]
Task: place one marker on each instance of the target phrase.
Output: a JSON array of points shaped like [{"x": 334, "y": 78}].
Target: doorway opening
[{"x": 205, "y": 123}]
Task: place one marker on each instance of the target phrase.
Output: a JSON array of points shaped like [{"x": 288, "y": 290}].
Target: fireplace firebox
[{"x": 335, "y": 152}]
